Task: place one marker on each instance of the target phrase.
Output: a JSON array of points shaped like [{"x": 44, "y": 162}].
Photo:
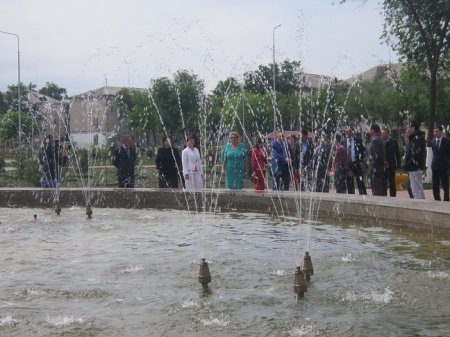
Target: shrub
[
  {"x": 31, "y": 171},
  {"x": 83, "y": 160}
]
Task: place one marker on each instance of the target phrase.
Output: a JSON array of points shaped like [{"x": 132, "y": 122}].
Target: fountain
[
  {"x": 83, "y": 276},
  {"x": 204, "y": 276}
]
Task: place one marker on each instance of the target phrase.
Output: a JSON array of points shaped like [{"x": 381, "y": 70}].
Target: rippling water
[{"x": 133, "y": 273}]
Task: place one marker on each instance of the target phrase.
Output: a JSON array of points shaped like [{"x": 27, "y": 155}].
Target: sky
[{"x": 82, "y": 45}]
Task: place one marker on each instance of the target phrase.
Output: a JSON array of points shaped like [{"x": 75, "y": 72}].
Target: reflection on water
[{"x": 133, "y": 273}]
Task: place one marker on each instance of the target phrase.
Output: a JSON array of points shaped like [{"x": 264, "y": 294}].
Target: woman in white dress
[{"x": 192, "y": 166}]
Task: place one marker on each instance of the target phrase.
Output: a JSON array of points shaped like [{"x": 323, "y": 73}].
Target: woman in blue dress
[{"x": 234, "y": 160}]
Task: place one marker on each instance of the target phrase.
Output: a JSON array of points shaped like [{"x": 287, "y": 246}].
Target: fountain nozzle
[
  {"x": 58, "y": 208},
  {"x": 299, "y": 283},
  {"x": 308, "y": 268},
  {"x": 89, "y": 211},
  {"x": 204, "y": 276}
]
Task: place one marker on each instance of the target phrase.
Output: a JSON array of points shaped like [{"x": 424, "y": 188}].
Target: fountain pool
[{"x": 132, "y": 272}]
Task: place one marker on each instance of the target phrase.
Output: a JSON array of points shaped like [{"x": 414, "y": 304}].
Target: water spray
[
  {"x": 308, "y": 268},
  {"x": 299, "y": 283},
  {"x": 204, "y": 276},
  {"x": 89, "y": 210}
]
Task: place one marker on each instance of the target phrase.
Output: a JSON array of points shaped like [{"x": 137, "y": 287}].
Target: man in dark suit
[
  {"x": 439, "y": 165},
  {"x": 355, "y": 156},
  {"x": 377, "y": 161},
  {"x": 124, "y": 158},
  {"x": 393, "y": 159},
  {"x": 281, "y": 159}
]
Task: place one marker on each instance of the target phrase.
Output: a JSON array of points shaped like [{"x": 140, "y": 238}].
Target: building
[
  {"x": 94, "y": 118},
  {"x": 50, "y": 117}
]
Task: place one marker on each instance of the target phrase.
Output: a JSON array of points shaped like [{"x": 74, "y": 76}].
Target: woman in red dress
[{"x": 259, "y": 160}]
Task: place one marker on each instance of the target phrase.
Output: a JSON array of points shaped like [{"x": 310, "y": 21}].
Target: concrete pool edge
[{"x": 409, "y": 213}]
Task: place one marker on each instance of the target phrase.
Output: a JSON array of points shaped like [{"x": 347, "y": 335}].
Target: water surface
[{"x": 133, "y": 273}]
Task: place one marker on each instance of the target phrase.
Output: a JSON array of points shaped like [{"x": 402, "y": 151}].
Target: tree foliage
[
  {"x": 420, "y": 31},
  {"x": 287, "y": 78},
  {"x": 9, "y": 125},
  {"x": 54, "y": 91}
]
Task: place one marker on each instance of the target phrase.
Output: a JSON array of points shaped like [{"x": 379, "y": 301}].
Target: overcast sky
[{"x": 84, "y": 44}]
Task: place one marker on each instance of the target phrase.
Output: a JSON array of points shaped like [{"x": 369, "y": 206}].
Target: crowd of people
[
  {"x": 310, "y": 164},
  {"x": 301, "y": 164}
]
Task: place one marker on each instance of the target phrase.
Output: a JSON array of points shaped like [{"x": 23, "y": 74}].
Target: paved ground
[{"x": 404, "y": 194}]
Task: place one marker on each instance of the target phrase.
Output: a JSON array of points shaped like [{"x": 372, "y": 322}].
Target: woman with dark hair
[
  {"x": 168, "y": 164},
  {"x": 259, "y": 160}
]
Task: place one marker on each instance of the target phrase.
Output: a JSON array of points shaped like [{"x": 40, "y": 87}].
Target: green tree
[
  {"x": 190, "y": 97},
  {"x": 287, "y": 78},
  {"x": 227, "y": 87},
  {"x": 54, "y": 91},
  {"x": 3, "y": 104},
  {"x": 11, "y": 97},
  {"x": 420, "y": 31},
  {"x": 9, "y": 125}
]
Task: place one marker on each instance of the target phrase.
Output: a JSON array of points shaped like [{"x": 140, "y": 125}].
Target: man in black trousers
[
  {"x": 355, "y": 157},
  {"x": 124, "y": 158},
  {"x": 393, "y": 159},
  {"x": 439, "y": 165}
]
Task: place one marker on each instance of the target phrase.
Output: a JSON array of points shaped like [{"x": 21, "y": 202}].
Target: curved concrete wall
[{"x": 423, "y": 214}]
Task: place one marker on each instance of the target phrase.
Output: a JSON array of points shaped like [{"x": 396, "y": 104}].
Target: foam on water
[
  {"x": 30, "y": 292},
  {"x": 306, "y": 329},
  {"x": 348, "y": 258},
  {"x": 8, "y": 320},
  {"x": 132, "y": 269},
  {"x": 438, "y": 275},
  {"x": 220, "y": 321},
  {"x": 378, "y": 297},
  {"x": 280, "y": 272},
  {"x": 64, "y": 321},
  {"x": 189, "y": 303}
]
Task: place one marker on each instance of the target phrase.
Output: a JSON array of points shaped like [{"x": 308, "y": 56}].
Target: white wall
[{"x": 82, "y": 140}]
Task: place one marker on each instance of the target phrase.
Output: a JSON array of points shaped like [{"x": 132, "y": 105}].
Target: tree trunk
[{"x": 432, "y": 108}]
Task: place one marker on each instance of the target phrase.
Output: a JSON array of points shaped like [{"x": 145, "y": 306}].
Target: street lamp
[
  {"x": 18, "y": 83},
  {"x": 274, "y": 92}
]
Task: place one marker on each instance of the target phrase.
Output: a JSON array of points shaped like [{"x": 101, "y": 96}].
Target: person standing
[
  {"x": 306, "y": 154},
  {"x": 415, "y": 159},
  {"x": 168, "y": 164},
  {"x": 294, "y": 150},
  {"x": 259, "y": 161},
  {"x": 377, "y": 161},
  {"x": 321, "y": 166},
  {"x": 440, "y": 163},
  {"x": 124, "y": 159},
  {"x": 234, "y": 160},
  {"x": 355, "y": 156},
  {"x": 52, "y": 156},
  {"x": 393, "y": 159},
  {"x": 340, "y": 167},
  {"x": 281, "y": 160},
  {"x": 192, "y": 166}
]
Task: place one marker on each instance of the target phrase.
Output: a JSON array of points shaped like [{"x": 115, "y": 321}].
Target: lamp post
[
  {"x": 274, "y": 97},
  {"x": 18, "y": 83}
]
